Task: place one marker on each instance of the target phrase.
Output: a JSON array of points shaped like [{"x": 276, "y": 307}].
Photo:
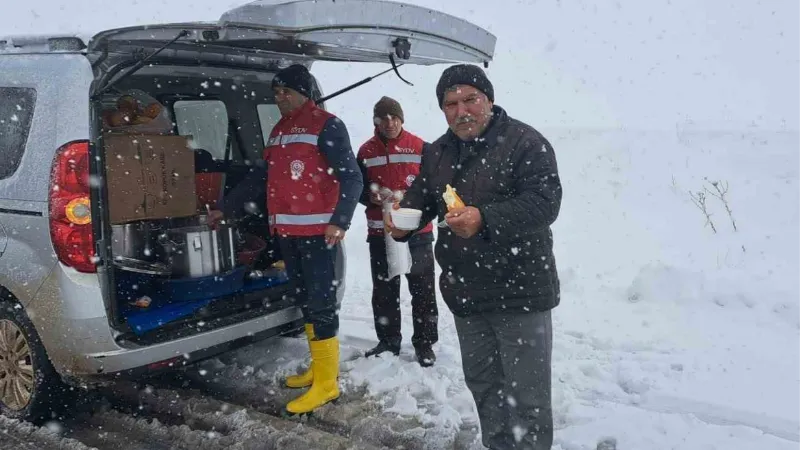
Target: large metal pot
[
  {"x": 198, "y": 251},
  {"x": 134, "y": 240},
  {"x": 135, "y": 249}
]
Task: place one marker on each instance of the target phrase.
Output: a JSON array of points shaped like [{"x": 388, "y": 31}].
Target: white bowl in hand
[{"x": 406, "y": 218}]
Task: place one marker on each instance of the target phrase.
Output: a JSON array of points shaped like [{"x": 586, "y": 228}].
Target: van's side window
[
  {"x": 207, "y": 122},
  {"x": 268, "y": 115},
  {"x": 16, "y": 115}
]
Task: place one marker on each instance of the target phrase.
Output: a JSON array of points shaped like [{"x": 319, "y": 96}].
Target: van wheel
[{"x": 30, "y": 388}]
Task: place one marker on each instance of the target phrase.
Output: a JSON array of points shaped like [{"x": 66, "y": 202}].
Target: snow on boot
[
  {"x": 383, "y": 347},
  {"x": 425, "y": 355},
  {"x": 325, "y": 387},
  {"x": 304, "y": 379}
]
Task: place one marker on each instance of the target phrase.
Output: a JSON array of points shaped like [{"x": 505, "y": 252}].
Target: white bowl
[{"x": 406, "y": 218}]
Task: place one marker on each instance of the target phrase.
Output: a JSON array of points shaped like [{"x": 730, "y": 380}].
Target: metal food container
[
  {"x": 135, "y": 249},
  {"x": 198, "y": 251},
  {"x": 135, "y": 240}
]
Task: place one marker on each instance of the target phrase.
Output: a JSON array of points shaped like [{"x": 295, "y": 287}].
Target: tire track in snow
[
  {"x": 127, "y": 416},
  {"x": 24, "y": 436},
  {"x": 604, "y": 361},
  {"x": 110, "y": 428},
  {"x": 708, "y": 413},
  {"x": 201, "y": 422},
  {"x": 353, "y": 416},
  {"x": 186, "y": 409},
  {"x": 722, "y": 415},
  {"x": 186, "y": 412}
]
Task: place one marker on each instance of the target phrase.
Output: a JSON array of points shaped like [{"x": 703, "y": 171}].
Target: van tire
[{"x": 49, "y": 393}]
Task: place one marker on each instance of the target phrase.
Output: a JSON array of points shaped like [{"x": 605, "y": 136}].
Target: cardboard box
[{"x": 149, "y": 177}]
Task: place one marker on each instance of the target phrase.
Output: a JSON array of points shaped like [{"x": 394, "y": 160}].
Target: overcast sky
[{"x": 629, "y": 63}]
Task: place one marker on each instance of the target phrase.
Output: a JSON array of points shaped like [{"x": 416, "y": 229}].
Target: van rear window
[
  {"x": 268, "y": 115},
  {"x": 206, "y": 121},
  {"x": 16, "y": 115}
]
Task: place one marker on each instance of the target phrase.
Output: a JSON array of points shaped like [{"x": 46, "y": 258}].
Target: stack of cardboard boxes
[{"x": 150, "y": 173}]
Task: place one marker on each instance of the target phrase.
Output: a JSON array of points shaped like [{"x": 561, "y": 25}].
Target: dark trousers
[
  {"x": 310, "y": 265},
  {"x": 386, "y": 295},
  {"x": 506, "y": 361}
]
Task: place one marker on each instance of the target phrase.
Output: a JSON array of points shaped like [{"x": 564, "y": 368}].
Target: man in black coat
[{"x": 499, "y": 275}]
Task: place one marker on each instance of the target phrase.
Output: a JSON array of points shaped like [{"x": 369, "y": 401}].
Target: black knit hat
[
  {"x": 388, "y": 106},
  {"x": 466, "y": 74},
  {"x": 295, "y": 77}
]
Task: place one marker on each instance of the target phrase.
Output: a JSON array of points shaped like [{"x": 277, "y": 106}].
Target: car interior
[{"x": 228, "y": 115}]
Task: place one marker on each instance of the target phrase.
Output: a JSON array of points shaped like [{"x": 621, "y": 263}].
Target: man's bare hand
[
  {"x": 375, "y": 198},
  {"x": 214, "y": 217},
  {"x": 465, "y": 222},
  {"x": 389, "y": 227},
  {"x": 333, "y": 235}
]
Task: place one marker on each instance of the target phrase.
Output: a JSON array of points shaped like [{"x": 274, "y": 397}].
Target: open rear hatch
[
  {"x": 264, "y": 36},
  {"x": 308, "y": 30}
]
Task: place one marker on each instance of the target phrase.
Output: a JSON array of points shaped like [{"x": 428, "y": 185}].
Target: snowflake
[{"x": 519, "y": 433}]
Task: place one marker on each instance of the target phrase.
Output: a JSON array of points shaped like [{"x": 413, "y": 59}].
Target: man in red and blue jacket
[
  {"x": 313, "y": 187},
  {"x": 390, "y": 160}
]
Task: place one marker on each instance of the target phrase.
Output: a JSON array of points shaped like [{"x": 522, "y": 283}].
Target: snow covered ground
[{"x": 669, "y": 335}]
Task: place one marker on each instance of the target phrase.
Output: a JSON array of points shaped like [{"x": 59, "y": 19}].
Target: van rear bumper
[{"x": 186, "y": 349}]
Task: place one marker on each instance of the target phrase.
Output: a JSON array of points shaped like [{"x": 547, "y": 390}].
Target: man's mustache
[{"x": 465, "y": 119}]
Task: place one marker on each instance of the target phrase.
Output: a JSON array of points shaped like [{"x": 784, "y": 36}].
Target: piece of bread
[
  {"x": 451, "y": 198},
  {"x": 152, "y": 110}
]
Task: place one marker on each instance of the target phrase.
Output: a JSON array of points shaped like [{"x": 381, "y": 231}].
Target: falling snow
[{"x": 660, "y": 319}]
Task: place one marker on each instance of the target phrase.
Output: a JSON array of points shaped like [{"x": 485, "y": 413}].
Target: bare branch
[
  {"x": 720, "y": 190},
  {"x": 699, "y": 200}
]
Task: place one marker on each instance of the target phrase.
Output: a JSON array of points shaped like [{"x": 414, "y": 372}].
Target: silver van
[{"x": 83, "y": 299}]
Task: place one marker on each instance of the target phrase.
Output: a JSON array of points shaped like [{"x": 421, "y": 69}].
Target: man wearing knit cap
[
  {"x": 499, "y": 274},
  {"x": 313, "y": 186},
  {"x": 389, "y": 163}
]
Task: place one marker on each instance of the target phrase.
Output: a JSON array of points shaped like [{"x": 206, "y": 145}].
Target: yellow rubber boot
[
  {"x": 304, "y": 379},
  {"x": 325, "y": 387}
]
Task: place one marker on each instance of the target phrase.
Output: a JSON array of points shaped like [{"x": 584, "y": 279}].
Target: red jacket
[
  {"x": 302, "y": 191},
  {"x": 393, "y": 165}
]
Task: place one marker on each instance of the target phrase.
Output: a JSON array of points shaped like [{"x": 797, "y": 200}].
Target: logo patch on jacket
[
  {"x": 297, "y": 167},
  {"x": 410, "y": 180}
]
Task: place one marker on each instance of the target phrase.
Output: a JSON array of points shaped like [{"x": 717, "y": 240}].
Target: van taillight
[{"x": 70, "y": 209}]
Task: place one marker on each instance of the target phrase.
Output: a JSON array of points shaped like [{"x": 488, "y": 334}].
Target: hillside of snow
[{"x": 670, "y": 334}]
